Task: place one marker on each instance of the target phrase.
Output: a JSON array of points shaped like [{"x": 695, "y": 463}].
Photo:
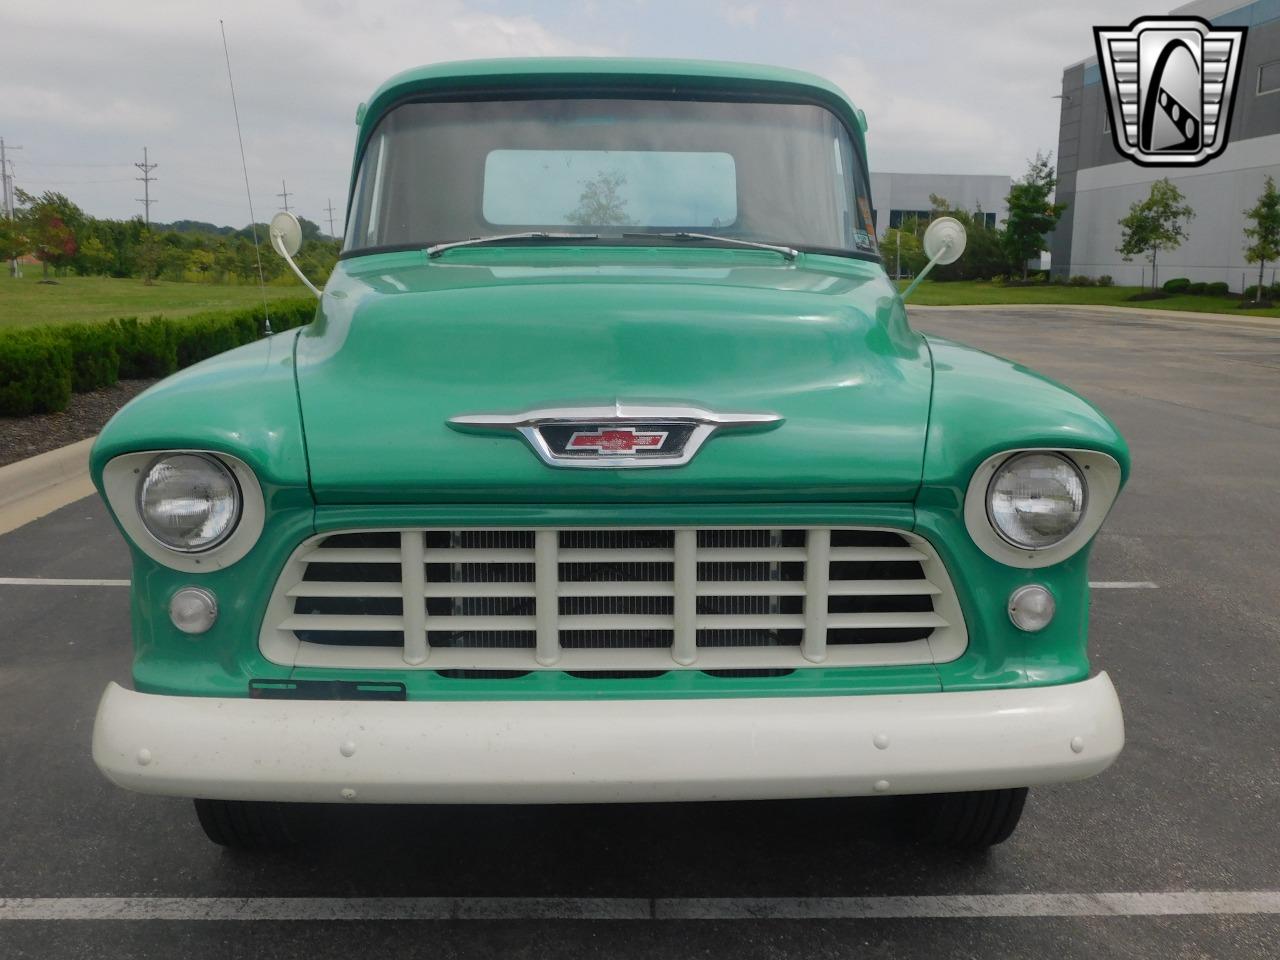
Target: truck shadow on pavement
[{"x": 840, "y": 847}]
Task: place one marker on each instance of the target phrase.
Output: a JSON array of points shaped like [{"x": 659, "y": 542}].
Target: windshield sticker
[{"x": 864, "y": 241}]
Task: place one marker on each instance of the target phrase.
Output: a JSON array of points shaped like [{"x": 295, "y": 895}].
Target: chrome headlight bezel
[
  {"x": 1102, "y": 476},
  {"x": 219, "y": 468},
  {"x": 121, "y": 483}
]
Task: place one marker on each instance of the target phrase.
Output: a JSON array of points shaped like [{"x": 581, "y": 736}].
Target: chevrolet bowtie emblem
[
  {"x": 615, "y": 440},
  {"x": 618, "y": 436}
]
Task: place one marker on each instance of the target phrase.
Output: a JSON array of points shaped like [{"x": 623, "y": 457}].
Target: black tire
[
  {"x": 966, "y": 821},
  {"x": 244, "y": 824}
]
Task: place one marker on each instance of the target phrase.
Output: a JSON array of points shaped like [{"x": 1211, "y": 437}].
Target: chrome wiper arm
[
  {"x": 789, "y": 252},
  {"x": 438, "y": 248}
]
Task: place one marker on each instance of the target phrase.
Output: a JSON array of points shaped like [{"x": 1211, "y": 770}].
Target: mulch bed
[{"x": 22, "y": 437}]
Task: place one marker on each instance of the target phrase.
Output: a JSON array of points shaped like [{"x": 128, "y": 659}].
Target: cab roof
[{"x": 470, "y": 77}]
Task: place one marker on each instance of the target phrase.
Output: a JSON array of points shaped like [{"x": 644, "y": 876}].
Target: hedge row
[
  {"x": 1218, "y": 288},
  {"x": 40, "y": 367}
]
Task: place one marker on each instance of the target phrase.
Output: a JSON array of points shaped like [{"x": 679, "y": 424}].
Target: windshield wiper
[
  {"x": 436, "y": 249},
  {"x": 789, "y": 252}
]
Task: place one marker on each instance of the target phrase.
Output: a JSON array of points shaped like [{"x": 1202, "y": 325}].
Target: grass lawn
[
  {"x": 26, "y": 302},
  {"x": 976, "y": 292}
]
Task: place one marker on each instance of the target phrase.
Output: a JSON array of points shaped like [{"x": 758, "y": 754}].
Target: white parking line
[
  {"x": 1189, "y": 903},
  {"x": 1123, "y": 585},
  {"x": 55, "y": 582}
]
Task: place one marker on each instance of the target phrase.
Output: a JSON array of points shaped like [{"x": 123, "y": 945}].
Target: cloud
[
  {"x": 152, "y": 73},
  {"x": 739, "y": 14},
  {"x": 947, "y": 87}
]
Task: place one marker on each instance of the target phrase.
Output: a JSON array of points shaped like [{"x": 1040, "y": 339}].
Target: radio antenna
[{"x": 253, "y": 221}]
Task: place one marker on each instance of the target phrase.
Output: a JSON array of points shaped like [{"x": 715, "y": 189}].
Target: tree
[
  {"x": 901, "y": 251},
  {"x": 1157, "y": 223},
  {"x": 984, "y": 255},
  {"x": 1265, "y": 232},
  {"x": 149, "y": 257},
  {"x": 1032, "y": 214},
  {"x": 51, "y": 223},
  {"x": 14, "y": 241},
  {"x": 601, "y": 203},
  {"x": 94, "y": 259}
]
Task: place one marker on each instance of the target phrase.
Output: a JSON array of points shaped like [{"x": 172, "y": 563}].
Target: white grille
[{"x": 634, "y": 599}]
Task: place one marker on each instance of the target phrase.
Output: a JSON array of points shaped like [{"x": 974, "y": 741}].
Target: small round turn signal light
[
  {"x": 1031, "y": 608},
  {"x": 193, "y": 609}
]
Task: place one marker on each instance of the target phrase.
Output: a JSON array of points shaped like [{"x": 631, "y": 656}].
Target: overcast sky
[{"x": 958, "y": 87}]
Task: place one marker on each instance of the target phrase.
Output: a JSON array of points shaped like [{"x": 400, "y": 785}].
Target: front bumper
[{"x": 605, "y": 751}]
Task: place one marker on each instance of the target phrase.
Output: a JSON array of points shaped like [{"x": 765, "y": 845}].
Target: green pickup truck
[{"x": 609, "y": 469}]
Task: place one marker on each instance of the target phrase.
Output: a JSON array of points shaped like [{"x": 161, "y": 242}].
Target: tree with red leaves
[{"x": 52, "y": 221}]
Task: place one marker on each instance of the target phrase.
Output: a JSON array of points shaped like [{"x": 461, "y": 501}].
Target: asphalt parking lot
[{"x": 1191, "y": 807}]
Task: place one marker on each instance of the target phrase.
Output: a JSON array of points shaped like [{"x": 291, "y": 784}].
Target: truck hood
[{"x": 402, "y": 344}]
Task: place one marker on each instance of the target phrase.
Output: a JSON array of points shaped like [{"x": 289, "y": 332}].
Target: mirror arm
[
  {"x": 925, "y": 272},
  {"x": 277, "y": 244}
]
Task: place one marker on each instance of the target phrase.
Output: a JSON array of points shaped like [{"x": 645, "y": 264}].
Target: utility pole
[
  {"x": 284, "y": 195},
  {"x": 330, "y": 209},
  {"x": 147, "y": 179},
  {"x": 6, "y": 195}
]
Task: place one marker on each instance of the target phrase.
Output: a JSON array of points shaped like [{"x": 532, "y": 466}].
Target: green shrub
[
  {"x": 1196, "y": 289},
  {"x": 288, "y": 314},
  {"x": 205, "y": 335},
  {"x": 40, "y": 367},
  {"x": 1106, "y": 280},
  {"x": 35, "y": 373},
  {"x": 1218, "y": 288},
  {"x": 147, "y": 349},
  {"x": 1176, "y": 285},
  {"x": 1253, "y": 292},
  {"x": 1080, "y": 280},
  {"x": 95, "y": 359}
]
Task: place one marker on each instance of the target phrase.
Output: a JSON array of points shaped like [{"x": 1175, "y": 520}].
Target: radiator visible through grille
[{"x": 613, "y": 601}]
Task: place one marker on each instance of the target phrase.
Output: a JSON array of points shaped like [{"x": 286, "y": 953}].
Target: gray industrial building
[
  {"x": 1099, "y": 185},
  {"x": 898, "y": 195}
]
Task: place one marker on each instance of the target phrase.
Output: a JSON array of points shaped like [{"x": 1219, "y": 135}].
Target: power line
[
  {"x": 147, "y": 180},
  {"x": 284, "y": 195},
  {"x": 55, "y": 163}
]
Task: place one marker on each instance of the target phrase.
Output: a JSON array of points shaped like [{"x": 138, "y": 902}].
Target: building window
[
  {"x": 897, "y": 216},
  {"x": 1269, "y": 77}
]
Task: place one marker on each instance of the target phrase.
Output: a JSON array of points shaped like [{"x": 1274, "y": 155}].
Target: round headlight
[
  {"x": 189, "y": 501},
  {"x": 1036, "y": 499}
]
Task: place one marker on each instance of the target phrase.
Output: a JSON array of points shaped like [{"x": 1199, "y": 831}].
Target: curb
[
  {"x": 32, "y": 488},
  {"x": 1213, "y": 319}
]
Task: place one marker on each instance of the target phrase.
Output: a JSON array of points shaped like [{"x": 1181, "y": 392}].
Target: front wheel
[
  {"x": 970, "y": 821},
  {"x": 244, "y": 824}
]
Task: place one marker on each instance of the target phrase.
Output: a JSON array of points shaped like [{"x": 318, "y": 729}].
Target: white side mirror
[
  {"x": 286, "y": 234},
  {"x": 944, "y": 241},
  {"x": 286, "y": 240}
]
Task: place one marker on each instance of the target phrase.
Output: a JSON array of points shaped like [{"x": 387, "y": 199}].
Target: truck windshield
[{"x": 625, "y": 170}]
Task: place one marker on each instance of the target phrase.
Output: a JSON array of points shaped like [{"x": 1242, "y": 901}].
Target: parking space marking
[
  {"x": 1123, "y": 585},
  {"x": 958, "y": 906},
  {"x": 56, "y": 582}
]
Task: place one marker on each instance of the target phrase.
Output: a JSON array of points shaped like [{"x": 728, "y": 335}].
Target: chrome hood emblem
[{"x": 615, "y": 437}]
